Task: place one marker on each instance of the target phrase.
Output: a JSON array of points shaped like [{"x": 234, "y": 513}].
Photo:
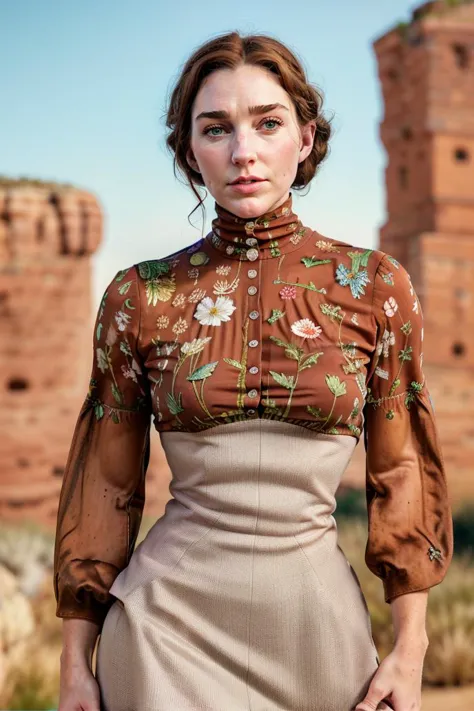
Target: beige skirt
[{"x": 239, "y": 598}]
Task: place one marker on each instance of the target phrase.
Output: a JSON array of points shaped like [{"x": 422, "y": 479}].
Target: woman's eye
[
  {"x": 274, "y": 121},
  {"x": 208, "y": 130}
]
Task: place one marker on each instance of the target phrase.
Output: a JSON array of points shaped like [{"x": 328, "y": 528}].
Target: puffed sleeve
[
  {"x": 410, "y": 528},
  {"x": 103, "y": 489}
]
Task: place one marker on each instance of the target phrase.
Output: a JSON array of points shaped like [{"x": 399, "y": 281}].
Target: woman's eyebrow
[{"x": 253, "y": 110}]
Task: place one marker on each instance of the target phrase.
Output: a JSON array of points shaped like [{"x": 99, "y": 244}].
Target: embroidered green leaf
[
  {"x": 388, "y": 279},
  {"x": 405, "y": 354},
  {"x": 102, "y": 304},
  {"x": 153, "y": 269},
  {"x": 315, "y": 411},
  {"x": 128, "y": 304},
  {"x": 117, "y": 394},
  {"x": 335, "y": 386},
  {"x": 284, "y": 380},
  {"x": 125, "y": 348},
  {"x": 359, "y": 259},
  {"x": 121, "y": 274},
  {"x": 310, "y": 360},
  {"x": 351, "y": 367},
  {"x": 360, "y": 380},
  {"x": 313, "y": 262},
  {"x": 174, "y": 404},
  {"x": 332, "y": 311},
  {"x": 98, "y": 331},
  {"x": 276, "y": 314},
  {"x": 355, "y": 430},
  {"x": 293, "y": 352},
  {"x": 204, "y": 371},
  {"x": 125, "y": 287},
  {"x": 98, "y": 410},
  {"x": 233, "y": 362},
  {"x": 413, "y": 390},
  {"x": 406, "y": 328},
  {"x": 390, "y": 415},
  {"x": 395, "y": 385},
  {"x": 115, "y": 417},
  {"x": 278, "y": 341},
  {"x": 355, "y": 409}
]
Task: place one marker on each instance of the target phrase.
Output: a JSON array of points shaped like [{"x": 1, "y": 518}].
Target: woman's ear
[
  {"x": 308, "y": 133},
  {"x": 192, "y": 160}
]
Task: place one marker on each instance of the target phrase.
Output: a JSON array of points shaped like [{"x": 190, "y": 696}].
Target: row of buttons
[{"x": 252, "y": 254}]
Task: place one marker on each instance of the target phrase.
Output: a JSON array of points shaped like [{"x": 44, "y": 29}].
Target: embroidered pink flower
[
  {"x": 306, "y": 328},
  {"x": 129, "y": 373},
  {"x": 288, "y": 292},
  {"x": 390, "y": 307}
]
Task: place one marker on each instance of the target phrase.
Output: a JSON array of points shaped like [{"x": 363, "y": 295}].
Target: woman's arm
[
  {"x": 410, "y": 541},
  {"x": 409, "y": 620},
  {"x": 79, "y": 639}
]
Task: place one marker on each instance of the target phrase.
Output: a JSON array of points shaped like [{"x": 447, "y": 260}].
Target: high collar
[{"x": 269, "y": 235}]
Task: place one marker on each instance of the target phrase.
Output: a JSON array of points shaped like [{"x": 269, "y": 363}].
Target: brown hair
[{"x": 229, "y": 51}]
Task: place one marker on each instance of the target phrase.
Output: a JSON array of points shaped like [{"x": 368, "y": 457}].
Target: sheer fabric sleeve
[
  {"x": 410, "y": 528},
  {"x": 103, "y": 489}
]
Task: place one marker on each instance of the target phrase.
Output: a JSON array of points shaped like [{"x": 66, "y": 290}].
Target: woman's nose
[{"x": 243, "y": 150}]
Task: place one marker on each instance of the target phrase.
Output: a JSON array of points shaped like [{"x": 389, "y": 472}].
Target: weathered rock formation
[{"x": 48, "y": 234}]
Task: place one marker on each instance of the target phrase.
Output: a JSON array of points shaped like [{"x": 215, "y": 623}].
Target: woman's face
[{"x": 245, "y": 124}]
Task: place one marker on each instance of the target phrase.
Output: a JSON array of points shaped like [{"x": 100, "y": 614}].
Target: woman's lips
[{"x": 246, "y": 188}]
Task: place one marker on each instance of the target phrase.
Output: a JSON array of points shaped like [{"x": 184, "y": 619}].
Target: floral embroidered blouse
[{"x": 262, "y": 318}]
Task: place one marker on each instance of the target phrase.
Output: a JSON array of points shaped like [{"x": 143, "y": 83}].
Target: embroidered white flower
[
  {"x": 388, "y": 339},
  {"x": 306, "y": 328},
  {"x": 210, "y": 313},
  {"x": 355, "y": 319},
  {"x": 122, "y": 320},
  {"x": 223, "y": 269},
  {"x": 382, "y": 373},
  {"x": 161, "y": 364},
  {"x": 390, "y": 307},
  {"x": 129, "y": 373},
  {"x": 415, "y": 306}
]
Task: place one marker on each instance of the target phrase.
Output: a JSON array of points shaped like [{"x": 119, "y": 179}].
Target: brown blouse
[{"x": 263, "y": 318}]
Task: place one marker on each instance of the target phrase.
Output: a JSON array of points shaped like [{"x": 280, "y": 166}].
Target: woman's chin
[{"x": 250, "y": 205}]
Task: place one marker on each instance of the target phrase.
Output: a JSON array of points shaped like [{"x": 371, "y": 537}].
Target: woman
[{"x": 260, "y": 351}]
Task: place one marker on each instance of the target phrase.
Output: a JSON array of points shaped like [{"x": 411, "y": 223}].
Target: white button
[
  {"x": 254, "y": 314},
  {"x": 229, "y": 249},
  {"x": 253, "y": 343},
  {"x": 252, "y": 393},
  {"x": 252, "y": 273},
  {"x": 251, "y": 241},
  {"x": 252, "y": 254},
  {"x": 252, "y": 290},
  {"x": 251, "y": 411},
  {"x": 253, "y": 369}
]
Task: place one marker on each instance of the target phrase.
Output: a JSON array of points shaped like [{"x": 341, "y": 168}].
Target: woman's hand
[
  {"x": 79, "y": 690},
  {"x": 397, "y": 680}
]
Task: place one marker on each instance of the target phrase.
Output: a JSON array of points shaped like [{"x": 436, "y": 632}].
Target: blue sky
[{"x": 84, "y": 90}]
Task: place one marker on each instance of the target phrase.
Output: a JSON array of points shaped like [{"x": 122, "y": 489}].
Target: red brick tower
[
  {"x": 426, "y": 70},
  {"x": 48, "y": 233}
]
